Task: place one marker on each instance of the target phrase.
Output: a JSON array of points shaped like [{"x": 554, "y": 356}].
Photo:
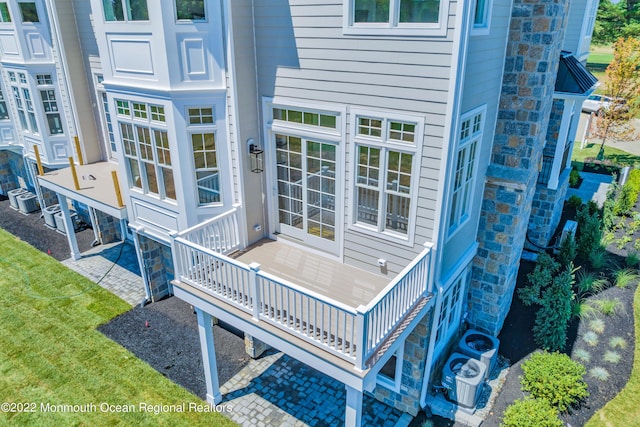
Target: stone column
[{"x": 533, "y": 51}]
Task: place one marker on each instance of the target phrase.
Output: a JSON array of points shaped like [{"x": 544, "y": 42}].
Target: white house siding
[
  {"x": 246, "y": 125},
  {"x": 482, "y": 83},
  {"x": 576, "y": 40},
  {"x": 303, "y": 55},
  {"x": 79, "y": 93}
]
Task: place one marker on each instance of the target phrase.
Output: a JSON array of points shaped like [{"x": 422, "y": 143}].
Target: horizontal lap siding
[
  {"x": 303, "y": 55},
  {"x": 482, "y": 84}
]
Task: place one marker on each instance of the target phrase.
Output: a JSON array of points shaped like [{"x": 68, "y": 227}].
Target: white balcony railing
[{"x": 351, "y": 333}]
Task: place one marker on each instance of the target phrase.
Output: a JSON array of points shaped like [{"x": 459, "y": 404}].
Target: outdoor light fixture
[{"x": 256, "y": 155}]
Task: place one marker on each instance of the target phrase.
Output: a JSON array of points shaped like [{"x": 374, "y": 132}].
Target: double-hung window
[
  {"x": 401, "y": 17},
  {"x": 24, "y": 104},
  {"x": 146, "y": 149},
  {"x": 125, "y": 10},
  {"x": 386, "y": 163},
  {"x": 202, "y": 133},
  {"x": 49, "y": 103},
  {"x": 470, "y": 137}
]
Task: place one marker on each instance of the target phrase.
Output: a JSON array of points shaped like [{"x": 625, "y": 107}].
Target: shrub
[
  {"x": 552, "y": 319},
  {"x": 556, "y": 378},
  {"x": 574, "y": 178},
  {"x": 568, "y": 251},
  {"x": 540, "y": 278},
  {"x": 581, "y": 309},
  {"x": 575, "y": 201},
  {"x": 589, "y": 231},
  {"x": 622, "y": 242},
  {"x": 531, "y": 413},
  {"x": 628, "y": 195},
  {"x": 598, "y": 258}
]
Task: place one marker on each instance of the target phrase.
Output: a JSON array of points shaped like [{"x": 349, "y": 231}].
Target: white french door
[{"x": 306, "y": 190}]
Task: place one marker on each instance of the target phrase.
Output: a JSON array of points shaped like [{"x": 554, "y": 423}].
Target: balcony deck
[
  {"x": 325, "y": 276},
  {"x": 347, "y": 312}
]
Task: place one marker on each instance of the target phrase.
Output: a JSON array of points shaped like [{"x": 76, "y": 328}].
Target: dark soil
[
  {"x": 32, "y": 230},
  {"x": 171, "y": 345}
]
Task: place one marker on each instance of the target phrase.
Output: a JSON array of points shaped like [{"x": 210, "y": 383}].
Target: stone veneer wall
[
  {"x": 8, "y": 179},
  {"x": 158, "y": 266},
  {"x": 108, "y": 228},
  {"x": 415, "y": 355},
  {"x": 533, "y": 51},
  {"x": 546, "y": 211},
  {"x": 547, "y": 203}
]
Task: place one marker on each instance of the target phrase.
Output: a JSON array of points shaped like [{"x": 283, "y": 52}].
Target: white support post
[
  {"x": 143, "y": 273},
  {"x": 207, "y": 345},
  {"x": 561, "y": 142},
  {"x": 361, "y": 337},
  {"x": 255, "y": 294},
  {"x": 69, "y": 227},
  {"x": 353, "y": 412}
]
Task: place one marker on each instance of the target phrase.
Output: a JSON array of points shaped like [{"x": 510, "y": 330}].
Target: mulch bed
[
  {"x": 165, "y": 335},
  {"x": 31, "y": 229}
]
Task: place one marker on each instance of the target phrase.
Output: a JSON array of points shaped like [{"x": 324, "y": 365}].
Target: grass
[
  {"x": 625, "y": 277},
  {"x": 591, "y": 338},
  {"x": 614, "y": 155},
  {"x": 597, "y": 326},
  {"x": 611, "y": 357},
  {"x": 582, "y": 355},
  {"x": 624, "y": 409},
  {"x": 617, "y": 342},
  {"x": 608, "y": 306},
  {"x": 51, "y": 352},
  {"x": 599, "y": 58},
  {"x": 599, "y": 373}
]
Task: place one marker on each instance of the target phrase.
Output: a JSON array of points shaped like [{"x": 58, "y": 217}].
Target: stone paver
[
  {"x": 594, "y": 187},
  {"x": 115, "y": 268},
  {"x": 279, "y": 390}
]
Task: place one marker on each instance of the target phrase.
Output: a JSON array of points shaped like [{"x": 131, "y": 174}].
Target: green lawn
[
  {"x": 599, "y": 59},
  {"x": 624, "y": 409},
  {"x": 611, "y": 155},
  {"x": 52, "y": 354}
]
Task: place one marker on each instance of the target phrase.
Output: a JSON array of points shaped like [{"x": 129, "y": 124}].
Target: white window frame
[
  {"x": 47, "y": 91},
  {"x": 24, "y": 102},
  {"x": 203, "y": 128},
  {"x": 394, "y": 27},
  {"x": 385, "y": 144},
  {"x": 152, "y": 145},
  {"x": 315, "y": 133},
  {"x": 482, "y": 28},
  {"x": 393, "y": 384},
  {"x": 469, "y": 141}
]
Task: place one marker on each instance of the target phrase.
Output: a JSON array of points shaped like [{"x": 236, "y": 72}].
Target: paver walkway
[
  {"x": 594, "y": 187},
  {"x": 115, "y": 268}
]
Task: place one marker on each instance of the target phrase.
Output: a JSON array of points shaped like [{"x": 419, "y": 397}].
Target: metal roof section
[{"x": 573, "y": 77}]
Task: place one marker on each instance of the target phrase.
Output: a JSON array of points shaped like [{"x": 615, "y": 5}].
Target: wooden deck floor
[{"x": 316, "y": 272}]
